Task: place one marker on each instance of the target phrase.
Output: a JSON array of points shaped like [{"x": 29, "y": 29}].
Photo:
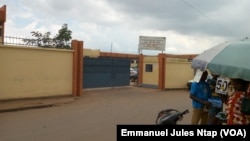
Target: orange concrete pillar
[
  {"x": 74, "y": 77},
  {"x": 79, "y": 67},
  {"x": 77, "y": 46},
  {"x": 140, "y": 73},
  {"x": 2, "y": 21},
  {"x": 161, "y": 77}
]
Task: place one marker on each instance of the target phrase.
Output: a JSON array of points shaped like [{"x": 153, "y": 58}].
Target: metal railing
[{"x": 45, "y": 43}]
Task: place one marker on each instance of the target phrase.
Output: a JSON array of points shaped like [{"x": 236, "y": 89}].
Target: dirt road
[{"x": 93, "y": 116}]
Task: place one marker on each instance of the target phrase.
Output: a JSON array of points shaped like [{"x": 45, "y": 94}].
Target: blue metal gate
[{"x": 105, "y": 72}]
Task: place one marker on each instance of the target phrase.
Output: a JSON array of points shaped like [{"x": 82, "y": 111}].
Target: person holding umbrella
[
  {"x": 233, "y": 105},
  {"x": 224, "y": 60},
  {"x": 200, "y": 92}
]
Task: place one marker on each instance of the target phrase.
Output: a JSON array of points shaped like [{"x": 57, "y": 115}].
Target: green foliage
[{"x": 61, "y": 40}]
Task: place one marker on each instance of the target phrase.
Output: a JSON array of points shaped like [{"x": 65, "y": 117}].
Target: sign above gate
[{"x": 152, "y": 43}]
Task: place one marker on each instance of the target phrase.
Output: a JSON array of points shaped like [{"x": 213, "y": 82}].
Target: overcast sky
[{"x": 190, "y": 26}]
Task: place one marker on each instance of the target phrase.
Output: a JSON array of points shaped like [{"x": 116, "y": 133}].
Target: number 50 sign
[{"x": 222, "y": 85}]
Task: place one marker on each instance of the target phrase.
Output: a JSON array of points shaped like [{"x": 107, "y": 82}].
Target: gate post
[
  {"x": 140, "y": 73},
  {"x": 80, "y": 67},
  {"x": 162, "y": 68},
  {"x": 2, "y": 22},
  {"x": 77, "y": 46}
]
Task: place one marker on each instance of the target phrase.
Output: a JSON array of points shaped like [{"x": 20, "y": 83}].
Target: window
[{"x": 149, "y": 68}]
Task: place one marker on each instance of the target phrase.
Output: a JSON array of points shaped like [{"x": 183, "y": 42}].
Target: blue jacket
[{"x": 202, "y": 91}]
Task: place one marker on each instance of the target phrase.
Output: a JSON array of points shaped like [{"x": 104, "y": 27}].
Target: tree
[
  {"x": 63, "y": 36},
  {"x": 61, "y": 40}
]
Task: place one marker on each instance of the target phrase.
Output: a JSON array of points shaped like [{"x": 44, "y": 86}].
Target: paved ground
[{"x": 92, "y": 116}]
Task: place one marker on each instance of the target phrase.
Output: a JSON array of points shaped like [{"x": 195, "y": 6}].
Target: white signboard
[
  {"x": 222, "y": 85},
  {"x": 152, "y": 43}
]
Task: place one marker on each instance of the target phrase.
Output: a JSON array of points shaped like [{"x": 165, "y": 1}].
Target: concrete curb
[
  {"x": 25, "y": 108},
  {"x": 12, "y": 106}
]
